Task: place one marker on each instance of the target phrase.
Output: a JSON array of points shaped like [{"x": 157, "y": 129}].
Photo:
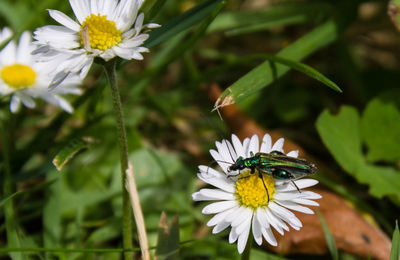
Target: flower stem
[
  {"x": 109, "y": 68},
  {"x": 246, "y": 252}
]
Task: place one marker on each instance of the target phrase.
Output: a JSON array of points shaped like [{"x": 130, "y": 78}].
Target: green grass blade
[
  {"x": 7, "y": 198},
  {"x": 168, "y": 238},
  {"x": 329, "y": 238},
  {"x": 262, "y": 75},
  {"x": 68, "y": 152},
  {"x": 236, "y": 22},
  {"x": 181, "y": 23},
  {"x": 395, "y": 252}
]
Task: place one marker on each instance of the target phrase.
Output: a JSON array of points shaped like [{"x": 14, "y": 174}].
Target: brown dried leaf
[{"x": 352, "y": 233}]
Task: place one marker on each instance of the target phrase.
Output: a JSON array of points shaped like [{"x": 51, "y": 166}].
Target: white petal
[
  {"x": 219, "y": 183},
  {"x": 306, "y": 202},
  {"x": 294, "y": 153},
  {"x": 81, "y": 9},
  {"x": 254, "y": 146},
  {"x": 63, "y": 19},
  {"x": 220, "y": 226},
  {"x": 256, "y": 229},
  {"x": 220, "y": 217},
  {"x": 295, "y": 206},
  {"x": 276, "y": 222},
  {"x": 266, "y": 144},
  {"x": 303, "y": 183},
  {"x": 220, "y": 160},
  {"x": 240, "y": 219},
  {"x": 269, "y": 236},
  {"x": 233, "y": 236},
  {"x": 238, "y": 146},
  {"x": 239, "y": 211},
  {"x": 24, "y": 49},
  {"x": 278, "y": 145},
  {"x": 216, "y": 194},
  {"x": 26, "y": 100},
  {"x": 242, "y": 240},
  {"x": 15, "y": 103},
  {"x": 217, "y": 207}
]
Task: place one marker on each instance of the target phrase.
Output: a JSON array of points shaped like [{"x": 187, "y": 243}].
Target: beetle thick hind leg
[{"x": 265, "y": 186}]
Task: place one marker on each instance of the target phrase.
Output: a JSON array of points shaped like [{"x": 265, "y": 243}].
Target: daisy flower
[
  {"x": 25, "y": 79},
  {"x": 5, "y": 34},
  {"x": 242, "y": 201},
  {"x": 103, "y": 29}
]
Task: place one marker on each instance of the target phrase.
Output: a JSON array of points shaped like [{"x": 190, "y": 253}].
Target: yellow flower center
[
  {"x": 18, "y": 76},
  {"x": 250, "y": 191},
  {"x": 101, "y": 33}
]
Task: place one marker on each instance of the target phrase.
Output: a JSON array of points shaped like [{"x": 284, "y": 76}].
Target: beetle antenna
[{"x": 220, "y": 136}]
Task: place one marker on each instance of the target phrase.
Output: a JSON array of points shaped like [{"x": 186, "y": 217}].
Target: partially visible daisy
[
  {"x": 25, "y": 79},
  {"x": 5, "y": 34},
  {"x": 103, "y": 29},
  {"x": 242, "y": 202}
]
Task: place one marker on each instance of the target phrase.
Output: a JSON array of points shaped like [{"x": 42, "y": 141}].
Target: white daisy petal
[
  {"x": 238, "y": 146},
  {"x": 266, "y": 144},
  {"x": 217, "y": 207},
  {"x": 253, "y": 146},
  {"x": 219, "y": 183},
  {"x": 220, "y": 226},
  {"x": 278, "y": 145},
  {"x": 217, "y": 194},
  {"x": 269, "y": 236},
  {"x": 256, "y": 230},
  {"x": 242, "y": 239},
  {"x": 220, "y": 217},
  {"x": 15, "y": 103},
  {"x": 295, "y": 206},
  {"x": 233, "y": 236},
  {"x": 294, "y": 153},
  {"x": 63, "y": 19}
]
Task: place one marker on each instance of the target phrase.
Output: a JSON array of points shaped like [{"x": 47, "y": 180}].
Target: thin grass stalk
[{"x": 109, "y": 68}]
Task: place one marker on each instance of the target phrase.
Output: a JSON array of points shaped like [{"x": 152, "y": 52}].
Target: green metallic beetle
[{"x": 275, "y": 164}]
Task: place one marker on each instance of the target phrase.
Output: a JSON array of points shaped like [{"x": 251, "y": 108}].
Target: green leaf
[
  {"x": 279, "y": 15},
  {"x": 309, "y": 71},
  {"x": 380, "y": 131},
  {"x": 328, "y": 237},
  {"x": 395, "y": 252},
  {"x": 168, "y": 238},
  {"x": 341, "y": 135},
  {"x": 4, "y": 200},
  {"x": 263, "y": 75},
  {"x": 68, "y": 152},
  {"x": 181, "y": 23}
]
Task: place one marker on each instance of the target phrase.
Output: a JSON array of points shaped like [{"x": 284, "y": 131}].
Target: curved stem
[{"x": 123, "y": 145}]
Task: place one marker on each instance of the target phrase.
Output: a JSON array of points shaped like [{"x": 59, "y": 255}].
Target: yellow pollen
[
  {"x": 18, "y": 76},
  {"x": 103, "y": 34},
  {"x": 250, "y": 191}
]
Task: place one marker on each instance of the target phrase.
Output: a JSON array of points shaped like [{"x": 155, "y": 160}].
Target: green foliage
[
  {"x": 328, "y": 237},
  {"x": 395, "y": 252},
  {"x": 341, "y": 134},
  {"x": 380, "y": 127},
  {"x": 68, "y": 152}
]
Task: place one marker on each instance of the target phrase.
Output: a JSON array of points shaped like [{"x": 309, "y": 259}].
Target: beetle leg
[{"x": 296, "y": 186}]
